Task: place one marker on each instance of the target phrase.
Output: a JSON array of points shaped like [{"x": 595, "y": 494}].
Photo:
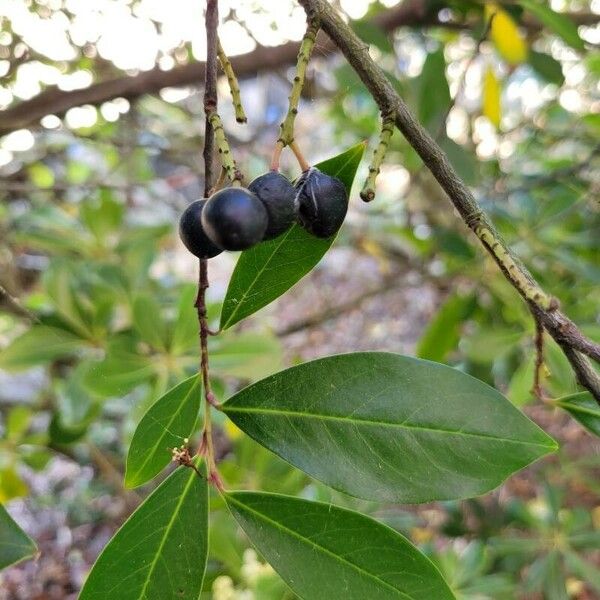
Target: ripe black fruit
[
  {"x": 277, "y": 194},
  {"x": 322, "y": 203},
  {"x": 234, "y": 219},
  {"x": 192, "y": 233}
]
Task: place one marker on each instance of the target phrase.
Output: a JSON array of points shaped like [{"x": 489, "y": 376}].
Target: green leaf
[
  {"x": 559, "y": 24},
  {"x": 487, "y": 344},
  {"x": 11, "y": 484},
  {"x": 246, "y": 356},
  {"x": 37, "y": 346},
  {"x": 164, "y": 426},
  {"x": 434, "y": 93},
  {"x": 17, "y": 422},
  {"x": 121, "y": 370},
  {"x": 521, "y": 383},
  {"x": 370, "y": 33},
  {"x": 391, "y": 428},
  {"x": 160, "y": 552},
  {"x": 587, "y": 571},
  {"x": 147, "y": 320},
  {"x": 465, "y": 163},
  {"x": 583, "y": 408},
  {"x": 15, "y": 544},
  {"x": 323, "y": 551},
  {"x": 103, "y": 217},
  {"x": 547, "y": 67},
  {"x": 268, "y": 270},
  {"x": 185, "y": 330},
  {"x": 442, "y": 334}
]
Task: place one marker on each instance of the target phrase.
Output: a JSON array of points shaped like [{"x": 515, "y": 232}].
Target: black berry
[
  {"x": 277, "y": 194},
  {"x": 322, "y": 203},
  {"x": 234, "y": 219},
  {"x": 192, "y": 233}
]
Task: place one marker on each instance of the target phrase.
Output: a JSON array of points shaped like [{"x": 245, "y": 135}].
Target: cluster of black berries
[{"x": 237, "y": 218}]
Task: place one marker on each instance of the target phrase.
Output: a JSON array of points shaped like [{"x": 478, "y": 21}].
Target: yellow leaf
[
  {"x": 491, "y": 97},
  {"x": 505, "y": 34},
  {"x": 11, "y": 485}
]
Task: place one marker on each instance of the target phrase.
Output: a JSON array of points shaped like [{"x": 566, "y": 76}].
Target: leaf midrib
[
  {"x": 166, "y": 533},
  {"x": 260, "y": 272},
  {"x": 165, "y": 431},
  {"x": 371, "y": 422},
  {"x": 579, "y": 409},
  {"x": 324, "y": 550}
]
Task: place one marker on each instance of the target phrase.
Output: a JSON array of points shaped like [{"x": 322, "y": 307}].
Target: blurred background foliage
[{"x": 96, "y": 310}]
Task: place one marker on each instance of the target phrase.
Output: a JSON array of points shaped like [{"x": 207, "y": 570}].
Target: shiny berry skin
[
  {"x": 277, "y": 194},
  {"x": 234, "y": 219},
  {"x": 192, "y": 233},
  {"x": 322, "y": 203}
]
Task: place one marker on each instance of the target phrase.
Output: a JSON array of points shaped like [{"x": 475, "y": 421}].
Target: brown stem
[
  {"x": 210, "y": 107},
  {"x": 573, "y": 343}
]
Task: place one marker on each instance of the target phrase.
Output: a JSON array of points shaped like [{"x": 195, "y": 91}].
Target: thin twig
[
  {"x": 234, "y": 86},
  {"x": 210, "y": 108},
  {"x": 286, "y": 130},
  {"x": 227, "y": 160},
  {"x": 387, "y": 129}
]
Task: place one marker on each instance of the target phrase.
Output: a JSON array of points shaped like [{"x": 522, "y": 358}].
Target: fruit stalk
[
  {"x": 286, "y": 130},
  {"x": 387, "y": 129},
  {"x": 234, "y": 87}
]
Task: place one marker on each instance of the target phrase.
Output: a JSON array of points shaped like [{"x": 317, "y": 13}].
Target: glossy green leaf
[
  {"x": 323, "y": 551},
  {"x": 15, "y": 544},
  {"x": 160, "y": 552},
  {"x": 583, "y": 408},
  {"x": 37, "y": 346},
  {"x": 268, "y": 270},
  {"x": 559, "y": 24},
  {"x": 164, "y": 426},
  {"x": 390, "y": 428}
]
